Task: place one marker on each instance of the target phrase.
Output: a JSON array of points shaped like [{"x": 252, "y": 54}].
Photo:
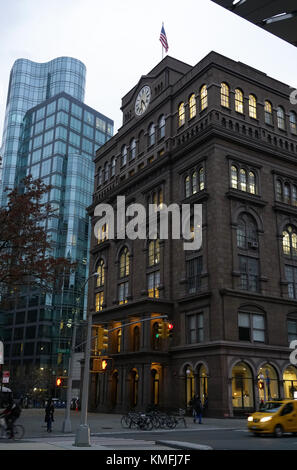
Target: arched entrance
[
  {"x": 290, "y": 382},
  {"x": 155, "y": 386},
  {"x": 242, "y": 388},
  {"x": 202, "y": 383},
  {"x": 268, "y": 383},
  {"x": 134, "y": 380},
  {"x": 190, "y": 383}
]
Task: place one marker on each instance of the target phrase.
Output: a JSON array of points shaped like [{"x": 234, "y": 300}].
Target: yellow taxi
[{"x": 275, "y": 417}]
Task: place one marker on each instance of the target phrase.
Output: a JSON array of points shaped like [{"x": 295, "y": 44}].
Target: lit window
[
  {"x": 99, "y": 301},
  {"x": 153, "y": 282},
  {"x": 252, "y": 182},
  {"x": 154, "y": 253},
  {"x": 203, "y": 97},
  {"x": 234, "y": 177},
  {"x": 281, "y": 124},
  {"x": 225, "y": 95},
  {"x": 181, "y": 114},
  {"x": 238, "y": 100},
  {"x": 290, "y": 242},
  {"x": 268, "y": 113},
  {"x": 252, "y": 107},
  {"x": 192, "y": 106},
  {"x": 103, "y": 233},
  {"x": 201, "y": 179},
  {"x": 242, "y": 179},
  {"x": 125, "y": 263},
  {"x": 194, "y": 182},
  {"x": 101, "y": 274}
]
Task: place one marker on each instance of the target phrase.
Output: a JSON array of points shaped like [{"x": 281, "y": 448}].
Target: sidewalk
[{"x": 105, "y": 433}]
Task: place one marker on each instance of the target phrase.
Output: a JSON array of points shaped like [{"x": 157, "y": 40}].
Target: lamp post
[{"x": 66, "y": 427}]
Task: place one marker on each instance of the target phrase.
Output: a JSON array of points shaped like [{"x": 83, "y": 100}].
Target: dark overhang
[{"x": 278, "y": 17}]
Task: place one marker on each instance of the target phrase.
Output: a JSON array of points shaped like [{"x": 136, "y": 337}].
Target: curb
[{"x": 184, "y": 445}]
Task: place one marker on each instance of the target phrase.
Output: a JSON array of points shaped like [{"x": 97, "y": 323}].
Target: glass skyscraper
[
  {"x": 31, "y": 83},
  {"x": 55, "y": 139}
]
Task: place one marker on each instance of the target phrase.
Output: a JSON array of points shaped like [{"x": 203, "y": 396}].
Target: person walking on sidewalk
[
  {"x": 49, "y": 414},
  {"x": 197, "y": 409}
]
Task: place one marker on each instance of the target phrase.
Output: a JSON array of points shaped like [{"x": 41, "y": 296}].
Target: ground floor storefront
[{"x": 228, "y": 385}]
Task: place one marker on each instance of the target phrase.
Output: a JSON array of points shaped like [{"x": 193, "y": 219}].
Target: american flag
[{"x": 163, "y": 39}]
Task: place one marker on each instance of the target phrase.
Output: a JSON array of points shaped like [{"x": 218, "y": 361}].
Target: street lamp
[{"x": 67, "y": 423}]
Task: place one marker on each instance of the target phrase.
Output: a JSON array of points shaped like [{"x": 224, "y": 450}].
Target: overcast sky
[{"x": 118, "y": 41}]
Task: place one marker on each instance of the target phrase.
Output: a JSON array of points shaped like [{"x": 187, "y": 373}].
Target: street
[{"x": 218, "y": 434}]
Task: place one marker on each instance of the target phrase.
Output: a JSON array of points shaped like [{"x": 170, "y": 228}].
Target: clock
[{"x": 142, "y": 100}]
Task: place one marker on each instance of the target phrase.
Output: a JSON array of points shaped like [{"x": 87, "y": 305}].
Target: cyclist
[{"x": 11, "y": 414}]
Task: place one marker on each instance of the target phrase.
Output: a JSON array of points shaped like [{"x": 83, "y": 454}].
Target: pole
[{"x": 82, "y": 438}]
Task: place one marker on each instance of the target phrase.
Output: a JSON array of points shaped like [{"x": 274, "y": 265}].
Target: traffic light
[
  {"x": 58, "y": 382},
  {"x": 61, "y": 382},
  {"x": 102, "y": 338},
  {"x": 160, "y": 330},
  {"x": 168, "y": 330},
  {"x": 102, "y": 364}
]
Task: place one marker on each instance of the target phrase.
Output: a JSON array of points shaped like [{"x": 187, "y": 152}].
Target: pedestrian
[
  {"x": 197, "y": 409},
  {"x": 49, "y": 414}
]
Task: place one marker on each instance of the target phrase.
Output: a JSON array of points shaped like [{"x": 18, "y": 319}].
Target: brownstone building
[{"x": 223, "y": 135}]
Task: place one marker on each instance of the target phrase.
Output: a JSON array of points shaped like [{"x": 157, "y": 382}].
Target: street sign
[
  {"x": 1, "y": 353},
  {"x": 5, "y": 377}
]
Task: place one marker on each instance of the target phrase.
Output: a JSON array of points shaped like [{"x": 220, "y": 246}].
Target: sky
[{"x": 118, "y": 41}]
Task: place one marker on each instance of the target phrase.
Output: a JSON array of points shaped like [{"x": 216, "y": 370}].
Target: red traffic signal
[{"x": 58, "y": 382}]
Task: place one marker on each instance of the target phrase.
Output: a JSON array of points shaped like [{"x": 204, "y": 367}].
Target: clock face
[{"x": 142, "y": 100}]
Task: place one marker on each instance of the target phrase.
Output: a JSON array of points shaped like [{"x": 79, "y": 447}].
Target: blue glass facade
[
  {"x": 56, "y": 140},
  {"x": 32, "y": 83}
]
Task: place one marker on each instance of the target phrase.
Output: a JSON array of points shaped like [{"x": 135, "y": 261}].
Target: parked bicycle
[
  {"x": 152, "y": 420},
  {"x": 18, "y": 430}
]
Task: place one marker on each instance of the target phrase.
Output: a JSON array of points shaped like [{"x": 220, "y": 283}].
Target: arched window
[
  {"x": 162, "y": 127},
  {"x": 187, "y": 187},
  {"x": 290, "y": 241},
  {"x": 201, "y": 179},
  {"x": 287, "y": 198},
  {"x": 132, "y": 149},
  {"x": 238, "y": 101},
  {"x": 243, "y": 178},
  {"x": 279, "y": 191},
  {"x": 154, "y": 253},
  {"x": 192, "y": 106},
  {"x": 234, "y": 177},
  {"x": 203, "y": 97},
  {"x": 151, "y": 134},
  {"x": 242, "y": 387},
  {"x": 124, "y": 155},
  {"x": 281, "y": 123},
  {"x": 106, "y": 171},
  {"x": 100, "y": 273},
  {"x": 293, "y": 122},
  {"x": 252, "y": 107},
  {"x": 252, "y": 183},
  {"x": 119, "y": 340},
  {"x": 247, "y": 236},
  {"x": 181, "y": 114},
  {"x": 124, "y": 263},
  {"x": 268, "y": 113},
  {"x": 225, "y": 101},
  {"x": 113, "y": 166},
  {"x": 194, "y": 182}
]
